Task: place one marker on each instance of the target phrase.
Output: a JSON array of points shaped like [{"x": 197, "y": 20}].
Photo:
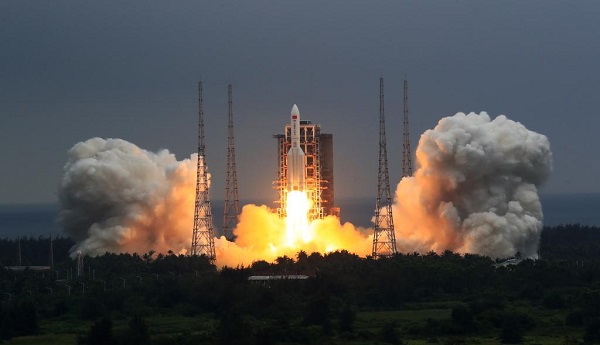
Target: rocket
[{"x": 295, "y": 157}]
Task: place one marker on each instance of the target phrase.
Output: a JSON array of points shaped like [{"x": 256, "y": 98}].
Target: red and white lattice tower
[
  {"x": 231, "y": 211},
  {"x": 384, "y": 237},
  {"x": 203, "y": 241}
]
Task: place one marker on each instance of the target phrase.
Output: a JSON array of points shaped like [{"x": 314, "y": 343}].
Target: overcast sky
[{"x": 73, "y": 70}]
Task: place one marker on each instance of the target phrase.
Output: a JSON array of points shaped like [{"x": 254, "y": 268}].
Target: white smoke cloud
[
  {"x": 117, "y": 197},
  {"x": 475, "y": 189}
]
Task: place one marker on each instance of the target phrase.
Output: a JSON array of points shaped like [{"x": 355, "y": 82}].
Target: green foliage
[
  {"x": 446, "y": 297},
  {"x": 554, "y": 300},
  {"x": 514, "y": 326},
  {"x": 389, "y": 335},
  {"x": 574, "y": 318},
  {"x": 512, "y": 332},
  {"x": 346, "y": 319},
  {"x": 137, "y": 334},
  {"x": 100, "y": 333},
  {"x": 570, "y": 340},
  {"x": 462, "y": 317},
  {"x": 18, "y": 318},
  {"x": 92, "y": 308},
  {"x": 317, "y": 310},
  {"x": 592, "y": 331}
]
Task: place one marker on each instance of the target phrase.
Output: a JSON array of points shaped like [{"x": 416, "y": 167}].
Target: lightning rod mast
[
  {"x": 203, "y": 242},
  {"x": 232, "y": 202},
  {"x": 384, "y": 237}
]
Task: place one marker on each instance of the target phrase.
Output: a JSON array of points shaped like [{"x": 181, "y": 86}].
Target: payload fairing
[{"x": 296, "y": 160}]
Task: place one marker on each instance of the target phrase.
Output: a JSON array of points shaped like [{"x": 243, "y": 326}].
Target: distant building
[{"x": 32, "y": 268}]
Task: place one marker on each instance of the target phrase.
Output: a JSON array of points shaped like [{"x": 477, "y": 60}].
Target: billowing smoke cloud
[
  {"x": 117, "y": 197},
  {"x": 475, "y": 190}
]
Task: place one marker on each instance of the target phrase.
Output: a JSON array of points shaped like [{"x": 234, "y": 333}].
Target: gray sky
[{"x": 72, "y": 70}]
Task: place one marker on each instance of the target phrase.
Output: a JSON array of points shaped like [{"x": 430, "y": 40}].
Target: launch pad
[{"x": 318, "y": 169}]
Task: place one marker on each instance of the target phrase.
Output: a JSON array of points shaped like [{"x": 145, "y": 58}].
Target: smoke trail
[
  {"x": 117, "y": 197},
  {"x": 475, "y": 190}
]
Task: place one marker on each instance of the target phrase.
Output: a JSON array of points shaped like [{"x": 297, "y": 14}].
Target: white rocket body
[{"x": 295, "y": 157}]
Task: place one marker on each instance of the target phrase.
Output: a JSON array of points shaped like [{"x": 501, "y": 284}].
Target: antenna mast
[
  {"x": 80, "y": 264},
  {"x": 203, "y": 242},
  {"x": 407, "y": 168},
  {"x": 51, "y": 253},
  {"x": 231, "y": 211},
  {"x": 384, "y": 237},
  {"x": 20, "y": 262}
]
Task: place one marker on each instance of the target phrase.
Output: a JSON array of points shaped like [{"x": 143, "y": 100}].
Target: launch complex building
[{"x": 318, "y": 150}]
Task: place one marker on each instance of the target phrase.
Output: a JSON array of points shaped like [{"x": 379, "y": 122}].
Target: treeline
[
  {"x": 484, "y": 298},
  {"x": 35, "y": 251},
  {"x": 117, "y": 296},
  {"x": 570, "y": 242},
  {"x": 563, "y": 242}
]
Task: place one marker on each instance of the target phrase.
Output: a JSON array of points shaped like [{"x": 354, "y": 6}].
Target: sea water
[{"x": 34, "y": 220}]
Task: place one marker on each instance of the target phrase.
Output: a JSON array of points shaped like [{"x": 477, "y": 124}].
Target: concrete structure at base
[{"x": 318, "y": 151}]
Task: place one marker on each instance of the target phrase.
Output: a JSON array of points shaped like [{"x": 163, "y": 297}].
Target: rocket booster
[{"x": 295, "y": 156}]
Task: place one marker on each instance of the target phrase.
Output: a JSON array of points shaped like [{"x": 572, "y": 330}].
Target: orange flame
[{"x": 298, "y": 231}]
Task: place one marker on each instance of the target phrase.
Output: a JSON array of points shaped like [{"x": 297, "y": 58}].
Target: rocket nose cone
[{"x": 295, "y": 110}]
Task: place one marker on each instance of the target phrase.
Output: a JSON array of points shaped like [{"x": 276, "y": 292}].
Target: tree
[
  {"x": 462, "y": 317},
  {"x": 317, "y": 310},
  {"x": 347, "y": 317},
  {"x": 512, "y": 331},
  {"x": 100, "y": 333},
  {"x": 137, "y": 334},
  {"x": 592, "y": 330},
  {"x": 389, "y": 334}
]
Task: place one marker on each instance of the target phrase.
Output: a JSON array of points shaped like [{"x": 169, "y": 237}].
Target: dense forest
[{"x": 411, "y": 298}]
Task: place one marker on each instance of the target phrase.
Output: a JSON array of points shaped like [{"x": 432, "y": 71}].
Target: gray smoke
[
  {"x": 117, "y": 197},
  {"x": 475, "y": 189}
]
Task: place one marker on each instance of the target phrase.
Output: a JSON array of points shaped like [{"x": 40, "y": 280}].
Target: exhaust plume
[
  {"x": 117, "y": 197},
  {"x": 475, "y": 189}
]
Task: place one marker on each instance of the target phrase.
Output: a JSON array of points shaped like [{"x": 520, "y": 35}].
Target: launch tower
[
  {"x": 203, "y": 242},
  {"x": 318, "y": 150},
  {"x": 231, "y": 211},
  {"x": 384, "y": 237}
]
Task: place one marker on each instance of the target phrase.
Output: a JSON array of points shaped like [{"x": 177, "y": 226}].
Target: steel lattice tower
[
  {"x": 384, "y": 238},
  {"x": 407, "y": 168},
  {"x": 232, "y": 202},
  {"x": 203, "y": 242}
]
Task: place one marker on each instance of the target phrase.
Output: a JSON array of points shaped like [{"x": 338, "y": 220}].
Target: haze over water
[{"x": 40, "y": 219}]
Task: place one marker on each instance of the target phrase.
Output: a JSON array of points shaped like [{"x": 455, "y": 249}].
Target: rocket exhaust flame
[{"x": 298, "y": 230}]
